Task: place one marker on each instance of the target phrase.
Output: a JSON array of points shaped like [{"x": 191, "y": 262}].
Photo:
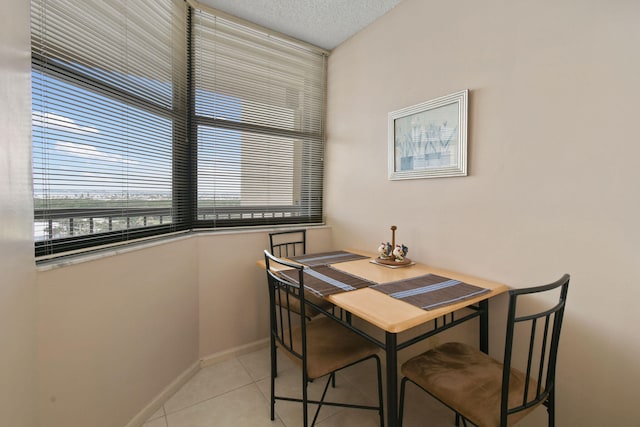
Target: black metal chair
[
  {"x": 321, "y": 346},
  {"x": 288, "y": 243},
  {"x": 291, "y": 243},
  {"x": 489, "y": 393}
]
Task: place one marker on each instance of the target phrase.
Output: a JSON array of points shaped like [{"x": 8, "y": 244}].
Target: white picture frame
[{"x": 429, "y": 140}]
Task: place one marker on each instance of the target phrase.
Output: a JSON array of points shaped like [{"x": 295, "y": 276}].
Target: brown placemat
[
  {"x": 325, "y": 258},
  {"x": 430, "y": 291},
  {"x": 324, "y": 280}
]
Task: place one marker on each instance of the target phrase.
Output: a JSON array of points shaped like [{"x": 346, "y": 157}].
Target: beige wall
[
  {"x": 231, "y": 302},
  {"x": 116, "y": 331},
  {"x": 233, "y": 297},
  {"x": 553, "y": 163},
  {"x": 17, "y": 282}
]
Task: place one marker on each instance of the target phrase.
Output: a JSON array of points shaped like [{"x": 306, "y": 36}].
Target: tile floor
[{"x": 235, "y": 393}]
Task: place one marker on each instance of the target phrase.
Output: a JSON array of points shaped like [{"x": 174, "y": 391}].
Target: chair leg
[
  {"x": 275, "y": 363},
  {"x": 305, "y": 417},
  {"x": 274, "y": 372},
  {"x": 551, "y": 409},
  {"x": 380, "y": 401},
  {"x": 403, "y": 385}
]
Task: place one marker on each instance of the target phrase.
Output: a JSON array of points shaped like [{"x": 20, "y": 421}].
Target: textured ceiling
[{"x": 324, "y": 23}]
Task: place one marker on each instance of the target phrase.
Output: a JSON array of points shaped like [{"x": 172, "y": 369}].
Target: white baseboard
[
  {"x": 164, "y": 395},
  {"x": 234, "y": 352},
  {"x": 170, "y": 390}
]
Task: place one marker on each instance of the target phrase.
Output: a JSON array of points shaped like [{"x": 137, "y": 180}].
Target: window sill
[{"x": 64, "y": 260}]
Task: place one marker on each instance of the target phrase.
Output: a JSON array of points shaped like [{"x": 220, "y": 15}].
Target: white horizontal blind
[
  {"x": 259, "y": 117},
  {"x": 109, "y": 121}
]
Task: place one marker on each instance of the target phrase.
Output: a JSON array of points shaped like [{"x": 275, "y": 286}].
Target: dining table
[{"x": 396, "y": 299}]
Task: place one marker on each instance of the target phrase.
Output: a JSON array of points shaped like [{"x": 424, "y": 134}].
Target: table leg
[
  {"x": 391, "y": 351},
  {"x": 484, "y": 325}
]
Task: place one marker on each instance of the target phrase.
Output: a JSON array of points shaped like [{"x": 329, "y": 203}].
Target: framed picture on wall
[{"x": 429, "y": 140}]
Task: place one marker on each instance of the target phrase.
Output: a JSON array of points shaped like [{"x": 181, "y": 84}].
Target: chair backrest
[
  {"x": 539, "y": 334},
  {"x": 283, "y": 289},
  {"x": 288, "y": 243}
]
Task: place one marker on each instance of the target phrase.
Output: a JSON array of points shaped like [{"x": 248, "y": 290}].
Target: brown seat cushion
[
  {"x": 330, "y": 346},
  {"x": 468, "y": 381}
]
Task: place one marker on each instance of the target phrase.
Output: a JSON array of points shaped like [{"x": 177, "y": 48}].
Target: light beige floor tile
[
  {"x": 258, "y": 363},
  {"x": 289, "y": 383},
  {"x": 352, "y": 418},
  {"x": 159, "y": 413},
  {"x": 364, "y": 377},
  {"x": 209, "y": 382},
  {"x": 236, "y": 393},
  {"x": 245, "y": 406},
  {"x": 158, "y": 422},
  {"x": 421, "y": 409}
]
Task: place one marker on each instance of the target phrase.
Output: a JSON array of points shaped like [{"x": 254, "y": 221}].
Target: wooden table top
[{"x": 391, "y": 314}]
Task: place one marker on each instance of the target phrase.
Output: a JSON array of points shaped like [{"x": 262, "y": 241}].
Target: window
[
  {"x": 258, "y": 121},
  {"x": 133, "y": 138},
  {"x": 109, "y": 107}
]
